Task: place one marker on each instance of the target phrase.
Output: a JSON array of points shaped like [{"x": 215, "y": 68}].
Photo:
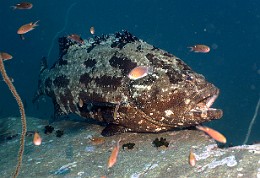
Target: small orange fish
[
  {"x": 5, "y": 56},
  {"x": 213, "y": 133},
  {"x": 76, "y": 38},
  {"x": 92, "y": 30},
  {"x": 192, "y": 159},
  {"x": 37, "y": 140},
  {"x": 26, "y": 28},
  {"x": 22, "y": 5},
  {"x": 200, "y": 48},
  {"x": 97, "y": 140},
  {"x": 113, "y": 157},
  {"x": 139, "y": 72}
]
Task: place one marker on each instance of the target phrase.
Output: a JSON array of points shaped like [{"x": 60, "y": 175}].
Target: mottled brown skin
[{"x": 96, "y": 73}]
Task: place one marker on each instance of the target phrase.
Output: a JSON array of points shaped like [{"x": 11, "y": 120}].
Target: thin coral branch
[
  {"x": 64, "y": 27},
  {"x": 23, "y": 117},
  {"x": 252, "y": 122}
]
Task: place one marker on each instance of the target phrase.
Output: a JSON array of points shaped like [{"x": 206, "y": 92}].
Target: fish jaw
[
  {"x": 202, "y": 112},
  {"x": 199, "y": 110}
]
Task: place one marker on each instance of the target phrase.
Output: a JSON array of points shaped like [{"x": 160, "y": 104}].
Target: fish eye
[{"x": 190, "y": 78}]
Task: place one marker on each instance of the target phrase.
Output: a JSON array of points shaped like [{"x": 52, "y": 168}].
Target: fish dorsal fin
[{"x": 44, "y": 64}]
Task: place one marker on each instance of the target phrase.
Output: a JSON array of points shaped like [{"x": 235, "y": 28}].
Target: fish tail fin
[
  {"x": 200, "y": 127},
  {"x": 35, "y": 24},
  {"x": 119, "y": 141},
  {"x": 191, "y": 48},
  {"x": 44, "y": 64},
  {"x": 13, "y": 7},
  {"x": 22, "y": 37}
]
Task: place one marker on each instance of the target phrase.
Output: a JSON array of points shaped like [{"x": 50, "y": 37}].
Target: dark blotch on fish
[
  {"x": 61, "y": 81},
  {"x": 123, "y": 39},
  {"x": 90, "y": 63},
  {"x": 107, "y": 81},
  {"x": 85, "y": 79},
  {"x": 167, "y": 54},
  {"x": 91, "y": 47},
  {"x": 48, "y": 83},
  {"x": 154, "y": 60},
  {"x": 122, "y": 63},
  {"x": 62, "y": 62}
]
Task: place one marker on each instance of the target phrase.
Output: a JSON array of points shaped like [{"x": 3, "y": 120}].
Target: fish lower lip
[
  {"x": 201, "y": 110},
  {"x": 209, "y": 113}
]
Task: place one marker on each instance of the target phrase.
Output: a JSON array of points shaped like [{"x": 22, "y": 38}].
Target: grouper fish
[{"x": 91, "y": 80}]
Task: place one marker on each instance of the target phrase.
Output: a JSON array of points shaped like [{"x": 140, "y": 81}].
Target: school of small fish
[{"x": 135, "y": 74}]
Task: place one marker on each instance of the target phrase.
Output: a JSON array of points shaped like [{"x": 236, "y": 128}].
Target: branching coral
[{"x": 22, "y": 112}]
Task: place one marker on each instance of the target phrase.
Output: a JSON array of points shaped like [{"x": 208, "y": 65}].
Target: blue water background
[{"x": 231, "y": 28}]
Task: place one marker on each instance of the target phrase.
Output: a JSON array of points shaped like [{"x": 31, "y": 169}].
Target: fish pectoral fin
[
  {"x": 113, "y": 129},
  {"x": 57, "y": 110},
  {"x": 191, "y": 48},
  {"x": 13, "y": 7}
]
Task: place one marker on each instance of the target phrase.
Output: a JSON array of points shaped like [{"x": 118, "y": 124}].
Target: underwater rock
[
  {"x": 144, "y": 160},
  {"x": 91, "y": 80}
]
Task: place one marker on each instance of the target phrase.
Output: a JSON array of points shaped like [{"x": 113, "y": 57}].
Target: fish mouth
[
  {"x": 203, "y": 107},
  {"x": 200, "y": 109},
  {"x": 205, "y": 103}
]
